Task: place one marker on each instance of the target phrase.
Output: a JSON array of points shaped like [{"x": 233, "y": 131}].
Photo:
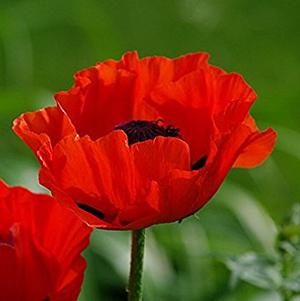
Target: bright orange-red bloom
[
  {"x": 137, "y": 142},
  {"x": 40, "y": 245}
]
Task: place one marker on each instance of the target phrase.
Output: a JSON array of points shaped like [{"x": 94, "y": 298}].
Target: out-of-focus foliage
[
  {"x": 42, "y": 43},
  {"x": 279, "y": 272}
]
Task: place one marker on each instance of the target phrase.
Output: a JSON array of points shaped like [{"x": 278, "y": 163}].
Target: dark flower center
[
  {"x": 142, "y": 130},
  {"x": 138, "y": 131}
]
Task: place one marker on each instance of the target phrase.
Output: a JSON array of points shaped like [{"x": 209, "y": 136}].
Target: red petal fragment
[
  {"x": 121, "y": 182},
  {"x": 232, "y": 87},
  {"x": 47, "y": 243},
  {"x": 154, "y": 159},
  {"x": 106, "y": 99},
  {"x": 257, "y": 149},
  {"x": 187, "y": 104},
  {"x": 179, "y": 196},
  {"x": 189, "y": 63},
  {"x": 44, "y": 127},
  {"x": 106, "y": 163}
]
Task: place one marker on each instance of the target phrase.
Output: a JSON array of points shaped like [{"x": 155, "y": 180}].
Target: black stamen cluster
[{"x": 142, "y": 130}]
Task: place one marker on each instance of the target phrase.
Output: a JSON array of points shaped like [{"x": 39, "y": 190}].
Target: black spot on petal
[
  {"x": 91, "y": 210},
  {"x": 200, "y": 163}
]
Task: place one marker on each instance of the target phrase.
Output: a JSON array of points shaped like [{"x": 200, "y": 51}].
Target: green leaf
[
  {"x": 260, "y": 271},
  {"x": 292, "y": 283}
]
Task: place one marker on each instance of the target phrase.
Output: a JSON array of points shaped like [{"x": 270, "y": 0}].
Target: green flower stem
[
  {"x": 135, "y": 286},
  {"x": 285, "y": 294}
]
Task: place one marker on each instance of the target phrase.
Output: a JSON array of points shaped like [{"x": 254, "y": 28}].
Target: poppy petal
[
  {"x": 155, "y": 158},
  {"x": 257, "y": 150},
  {"x": 119, "y": 89},
  {"x": 99, "y": 92},
  {"x": 109, "y": 161},
  {"x": 157, "y": 70},
  {"x": 101, "y": 160},
  {"x": 44, "y": 249},
  {"x": 43, "y": 128},
  {"x": 231, "y": 88},
  {"x": 25, "y": 263},
  {"x": 187, "y": 104},
  {"x": 227, "y": 153},
  {"x": 178, "y": 195}
]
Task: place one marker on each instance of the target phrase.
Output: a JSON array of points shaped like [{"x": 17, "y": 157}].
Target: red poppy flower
[
  {"x": 137, "y": 142},
  {"x": 40, "y": 245}
]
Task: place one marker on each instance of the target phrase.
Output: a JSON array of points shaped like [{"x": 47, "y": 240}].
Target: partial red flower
[
  {"x": 40, "y": 246},
  {"x": 137, "y": 142}
]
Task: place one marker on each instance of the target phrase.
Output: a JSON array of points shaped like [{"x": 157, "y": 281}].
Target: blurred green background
[{"x": 42, "y": 44}]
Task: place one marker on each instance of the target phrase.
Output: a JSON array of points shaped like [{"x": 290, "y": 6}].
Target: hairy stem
[
  {"x": 285, "y": 294},
  {"x": 135, "y": 286}
]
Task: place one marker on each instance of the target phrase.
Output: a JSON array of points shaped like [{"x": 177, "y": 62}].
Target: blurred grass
[{"x": 42, "y": 43}]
